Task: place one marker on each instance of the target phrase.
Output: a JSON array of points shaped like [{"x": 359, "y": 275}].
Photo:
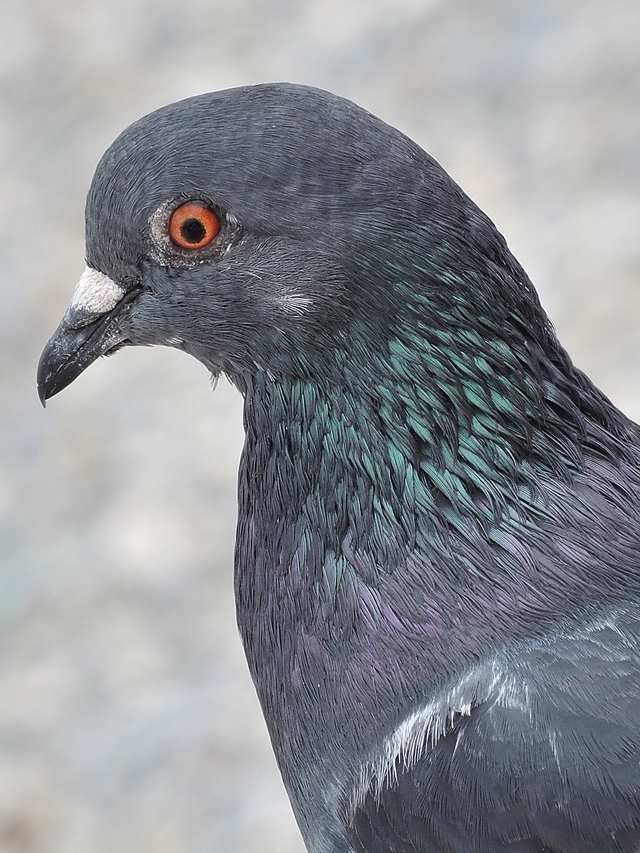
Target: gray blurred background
[{"x": 127, "y": 718}]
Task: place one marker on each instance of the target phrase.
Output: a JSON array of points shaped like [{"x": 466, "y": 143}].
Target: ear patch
[{"x": 96, "y": 293}]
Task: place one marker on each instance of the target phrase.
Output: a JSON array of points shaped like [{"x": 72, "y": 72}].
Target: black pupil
[{"x": 192, "y": 230}]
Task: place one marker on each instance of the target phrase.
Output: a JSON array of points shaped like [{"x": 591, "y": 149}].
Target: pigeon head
[{"x": 274, "y": 227}]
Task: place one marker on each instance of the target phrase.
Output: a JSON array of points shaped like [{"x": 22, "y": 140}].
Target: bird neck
[
  {"x": 402, "y": 517},
  {"x": 445, "y": 441}
]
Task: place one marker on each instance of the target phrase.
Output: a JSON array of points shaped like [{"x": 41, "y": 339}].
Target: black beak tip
[
  {"x": 77, "y": 343},
  {"x": 46, "y": 376},
  {"x": 57, "y": 368}
]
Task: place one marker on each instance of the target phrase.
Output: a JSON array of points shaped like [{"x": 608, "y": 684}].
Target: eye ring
[{"x": 193, "y": 225}]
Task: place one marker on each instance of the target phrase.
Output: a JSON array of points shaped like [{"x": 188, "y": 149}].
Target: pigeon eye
[{"x": 193, "y": 225}]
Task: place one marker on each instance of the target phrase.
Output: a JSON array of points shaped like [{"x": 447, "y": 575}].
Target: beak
[{"x": 88, "y": 330}]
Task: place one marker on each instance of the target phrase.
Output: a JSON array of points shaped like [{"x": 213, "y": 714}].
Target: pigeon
[{"x": 437, "y": 564}]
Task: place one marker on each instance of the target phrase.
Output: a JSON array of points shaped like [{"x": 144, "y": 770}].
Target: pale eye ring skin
[
  {"x": 184, "y": 232},
  {"x": 193, "y": 225}
]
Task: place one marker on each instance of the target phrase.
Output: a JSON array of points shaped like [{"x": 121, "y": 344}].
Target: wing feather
[{"x": 547, "y": 759}]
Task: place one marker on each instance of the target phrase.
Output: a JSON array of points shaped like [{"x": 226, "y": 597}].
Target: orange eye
[{"x": 193, "y": 225}]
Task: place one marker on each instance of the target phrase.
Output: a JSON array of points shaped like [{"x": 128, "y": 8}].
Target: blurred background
[{"x": 127, "y": 718}]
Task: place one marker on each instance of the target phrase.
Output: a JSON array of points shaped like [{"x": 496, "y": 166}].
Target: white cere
[{"x": 96, "y": 292}]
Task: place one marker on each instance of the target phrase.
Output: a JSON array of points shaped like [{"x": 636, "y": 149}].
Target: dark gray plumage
[{"x": 438, "y": 542}]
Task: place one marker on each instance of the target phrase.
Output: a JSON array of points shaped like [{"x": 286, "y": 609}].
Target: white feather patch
[
  {"x": 96, "y": 292},
  {"x": 294, "y": 303},
  {"x": 421, "y": 730}
]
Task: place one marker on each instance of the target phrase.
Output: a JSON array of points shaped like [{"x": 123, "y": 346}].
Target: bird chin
[{"x": 78, "y": 341}]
